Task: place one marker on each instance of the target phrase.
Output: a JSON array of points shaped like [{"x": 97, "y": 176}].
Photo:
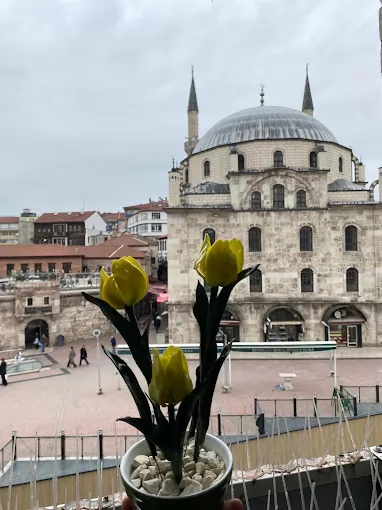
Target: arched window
[
  {"x": 211, "y": 233},
  {"x": 185, "y": 175},
  {"x": 254, "y": 239},
  {"x": 306, "y": 280},
  {"x": 278, "y": 159},
  {"x": 256, "y": 281},
  {"x": 306, "y": 239},
  {"x": 300, "y": 199},
  {"x": 351, "y": 241},
  {"x": 352, "y": 280},
  {"x": 340, "y": 165},
  {"x": 256, "y": 200},
  {"x": 313, "y": 159},
  {"x": 240, "y": 161},
  {"x": 207, "y": 169},
  {"x": 278, "y": 196}
]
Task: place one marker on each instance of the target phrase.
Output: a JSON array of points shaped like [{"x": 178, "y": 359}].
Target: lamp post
[
  {"x": 97, "y": 334},
  {"x": 326, "y": 325}
]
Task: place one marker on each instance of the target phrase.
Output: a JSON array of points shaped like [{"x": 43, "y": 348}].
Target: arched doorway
[
  {"x": 230, "y": 326},
  {"x": 343, "y": 324},
  {"x": 283, "y": 324},
  {"x": 36, "y": 326}
]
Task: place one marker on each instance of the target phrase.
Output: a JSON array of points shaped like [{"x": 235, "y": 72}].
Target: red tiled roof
[
  {"x": 108, "y": 216},
  {"x": 38, "y": 250},
  {"x": 110, "y": 252},
  {"x": 64, "y": 217},
  {"x": 150, "y": 206},
  {"x": 9, "y": 219},
  {"x": 127, "y": 239}
]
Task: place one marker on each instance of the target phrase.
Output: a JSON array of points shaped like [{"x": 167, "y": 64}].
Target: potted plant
[{"x": 177, "y": 462}]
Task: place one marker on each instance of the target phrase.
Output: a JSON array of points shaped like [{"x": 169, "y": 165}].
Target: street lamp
[
  {"x": 326, "y": 325},
  {"x": 97, "y": 334}
]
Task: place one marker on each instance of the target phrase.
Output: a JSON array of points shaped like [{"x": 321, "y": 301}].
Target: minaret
[
  {"x": 193, "y": 118},
  {"x": 307, "y": 103}
]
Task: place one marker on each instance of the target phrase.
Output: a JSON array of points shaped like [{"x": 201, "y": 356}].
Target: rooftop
[
  {"x": 64, "y": 217},
  {"x": 344, "y": 185},
  {"x": 149, "y": 206},
  {"x": 118, "y": 216},
  {"x": 9, "y": 219},
  {"x": 38, "y": 250}
]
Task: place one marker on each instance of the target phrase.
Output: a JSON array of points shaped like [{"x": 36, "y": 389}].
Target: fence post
[
  {"x": 63, "y": 445},
  {"x": 377, "y": 392},
  {"x": 275, "y": 402},
  {"x": 294, "y": 406},
  {"x": 341, "y": 387},
  {"x": 219, "y": 423},
  {"x": 260, "y": 423},
  {"x": 355, "y": 405},
  {"x": 100, "y": 444},
  {"x": 315, "y": 404},
  {"x": 14, "y": 444},
  {"x": 255, "y": 405}
]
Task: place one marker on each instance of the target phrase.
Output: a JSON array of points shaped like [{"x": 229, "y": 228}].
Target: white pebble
[
  {"x": 164, "y": 466},
  {"x": 207, "y": 482},
  {"x": 146, "y": 474},
  {"x": 169, "y": 486},
  {"x": 217, "y": 480},
  {"x": 189, "y": 466},
  {"x": 152, "y": 486},
  {"x": 213, "y": 462},
  {"x": 140, "y": 460},
  {"x": 135, "y": 473},
  {"x": 137, "y": 482},
  {"x": 197, "y": 477},
  {"x": 199, "y": 468},
  {"x": 187, "y": 459},
  {"x": 217, "y": 471},
  {"x": 209, "y": 473},
  {"x": 143, "y": 490},
  {"x": 152, "y": 461},
  {"x": 192, "y": 489},
  {"x": 153, "y": 469},
  {"x": 169, "y": 475}
]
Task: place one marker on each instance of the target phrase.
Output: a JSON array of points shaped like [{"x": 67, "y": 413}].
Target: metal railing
[
  {"x": 296, "y": 407},
  {"x": 364, "y": 394},
  {"x": 68, "y": 281}
]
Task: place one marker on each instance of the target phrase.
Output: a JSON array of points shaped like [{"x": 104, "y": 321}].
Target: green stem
[{"x": 176, "y": 462}]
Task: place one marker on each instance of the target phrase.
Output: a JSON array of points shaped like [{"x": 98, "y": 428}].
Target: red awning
[{"x": 162, "y": 298}]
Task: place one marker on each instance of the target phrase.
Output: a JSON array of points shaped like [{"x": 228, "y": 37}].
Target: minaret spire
[
  {"x": 307, "y": 103},
  {"x": 262, "y": 94},
  {"x": 193, "y": 118}
]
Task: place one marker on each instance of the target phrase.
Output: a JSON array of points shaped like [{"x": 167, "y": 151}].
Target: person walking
[
  {"x": 72, "y": 355},
  {"x": 83, "y": 355},
  {"x": 3, "y": 372},
  {"x": 113, "y": 342},
  {"x": 43, "y": 342},
  {"x": 36, "y": 341},
  {"x": 157, "y": 322}
]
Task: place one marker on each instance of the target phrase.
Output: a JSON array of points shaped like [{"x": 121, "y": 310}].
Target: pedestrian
[
  {"x": 113, "y": 342},
  {"x": 157, "y": 322},
  {"x": 36, "y": 341},
  {"x": 83, "y": 355},
  {"x": 3, "y": 372},
  {"x": 43, "y": 342},
  {"x": 72, "y": 355}
]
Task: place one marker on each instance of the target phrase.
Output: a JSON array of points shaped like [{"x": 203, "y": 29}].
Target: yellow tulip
[
  {"x": 220, "y": 263},
  {"x": 127, "y": 285},
  {"x": 170, "y": 382}
]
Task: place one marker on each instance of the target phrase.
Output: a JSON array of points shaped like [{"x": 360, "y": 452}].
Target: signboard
[{"x": 38, "y": 309}]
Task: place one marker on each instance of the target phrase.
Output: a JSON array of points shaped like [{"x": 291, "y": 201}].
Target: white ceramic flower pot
[{"x": 209, "y": 499}]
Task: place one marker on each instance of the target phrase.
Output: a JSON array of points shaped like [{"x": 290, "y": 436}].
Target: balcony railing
[{"x": 68, "y": 281}]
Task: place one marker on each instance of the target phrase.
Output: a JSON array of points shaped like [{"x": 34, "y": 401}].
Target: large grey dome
[{"x": 263, "y": 123}]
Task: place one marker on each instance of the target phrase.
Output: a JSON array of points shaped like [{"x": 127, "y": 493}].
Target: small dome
[
  {"x": 344, "y": 185},
  {"x": 264, "y": 123}
]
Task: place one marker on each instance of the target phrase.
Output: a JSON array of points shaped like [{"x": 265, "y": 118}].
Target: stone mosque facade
[{"x": 280, "y": 181}]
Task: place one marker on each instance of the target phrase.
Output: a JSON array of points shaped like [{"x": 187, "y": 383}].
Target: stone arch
[
  {"x": 371, "y": 189},
  {"x": 33, "y": 326},
  {"x": 283, "y": 323},
  {"x": 344, "y": 323},
  {"x": 230, "y": 323}
]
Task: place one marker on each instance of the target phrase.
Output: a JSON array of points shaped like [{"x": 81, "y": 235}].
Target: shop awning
[{"x": 162, "y": 298}]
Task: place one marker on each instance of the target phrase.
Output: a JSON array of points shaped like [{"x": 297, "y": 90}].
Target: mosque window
[
  {"x": 306, "y": 239},
  {"x": 300, "y": 199},
  {"x": 306, "y": 280},
  {"x": 207, "y": 169},
  {"x": 256, "y": 200},
  {"x": 278, "y": 159},
  {"x": 352, "y": 280},
  {"x": 186, "y": 175},
  {"x": 240, "y": 161},
  {"x": 278, "y": 196},
  {"x": 256, "y": 281},
  {"x": 313, "y": 159},
  {"x": 211, "y": 233},
  {"x": 254, "y": 239},
  {"x": 351, "y": 241},
  {"x": 340, "y": 165}
]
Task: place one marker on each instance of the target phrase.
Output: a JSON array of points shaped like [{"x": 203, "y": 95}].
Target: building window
[
  {"x": 37, "y": 268},
  {"x": 156, "y": 227},
  {"x": 67, "y": 267},
  {"x": 352, "y": 280},
  {"x": 10, "y": 269},
  {"x": 340, "y": 165},
  {"x": 240, "y": 161},
  {"x": 313, "y": 159},
  {"x": 186, "y": 176},
  {"x": 301, "y": 199},
  {"x": 351, "y": 241},
  {"x": 256, "y": 281},
  {"x": 24, "y": 268},
  {"x": 207, "y": 169},
  {"x": 59, "y": 240},
  {"x": 306, "y": 280},
  {"x": 278, "y": 196},
  {"x": 46, "y": 301},
  {"x": 211, "y": 233},
  {"x": 29, "y": 301},
  {"x": 254, "y": 239},
  {"x": 156, "y": 215},
  {"x": 256, "y": 200},
  {"x": 153, "y": 260},
  {"x": 306, "y": 239},
  {"x": 51, "y": 267},
  {"x": 60, "y": 228},
  {"x": 278, "y": 159}
]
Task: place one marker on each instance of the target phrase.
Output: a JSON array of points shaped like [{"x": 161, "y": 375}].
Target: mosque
[{"x": 279, "y": 180}]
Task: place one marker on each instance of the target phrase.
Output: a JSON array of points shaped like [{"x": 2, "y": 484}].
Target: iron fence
[
  {"x": 364, "y": 394},
  {"x": 5, "y": 455},
  {"x": 68, "y": 281},
  {"x": 296, "y": 407}
]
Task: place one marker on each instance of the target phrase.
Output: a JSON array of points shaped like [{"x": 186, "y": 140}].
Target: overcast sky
[{"x": 93, "y": 93}]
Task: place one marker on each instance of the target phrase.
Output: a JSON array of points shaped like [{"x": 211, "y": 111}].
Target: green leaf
[
  {"x": 195, "y": 412},
  {"x": 185, "y": 411},
  {"x": 200, "y": 310},
  {"x": 205, "y": 400},
  {"x": 130, "y": 334},
  {"x": 144, "y": 339}
]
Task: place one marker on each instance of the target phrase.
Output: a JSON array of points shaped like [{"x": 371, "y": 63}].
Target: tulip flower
[
  {"x": 220, "y": 264},
  {"x": 127, "y": 285},
  {"x": 170, "y": 382}
]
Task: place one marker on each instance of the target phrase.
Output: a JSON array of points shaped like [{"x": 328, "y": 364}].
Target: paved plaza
[{"x": 60, "y": 399}]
